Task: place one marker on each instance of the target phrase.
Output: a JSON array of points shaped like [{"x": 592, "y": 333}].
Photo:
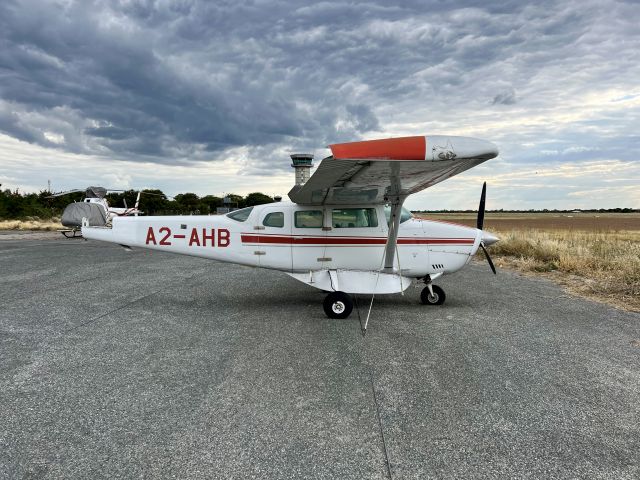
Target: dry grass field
[
  {"x": 31, "y": 223},
  {"x": 594, "y": 255}
]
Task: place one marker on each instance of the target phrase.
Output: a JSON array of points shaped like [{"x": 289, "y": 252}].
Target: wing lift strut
[{"x": 390, "y": 252}]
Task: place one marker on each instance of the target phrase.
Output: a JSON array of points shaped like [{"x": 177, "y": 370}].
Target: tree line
[{"x": 17, "y": 205}]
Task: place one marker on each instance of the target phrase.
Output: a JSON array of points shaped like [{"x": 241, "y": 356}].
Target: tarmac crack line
[
  {"x": 373, "y": 391},
  {"x": 384, "y": 442},
  {"x": 93, "y": 320}
]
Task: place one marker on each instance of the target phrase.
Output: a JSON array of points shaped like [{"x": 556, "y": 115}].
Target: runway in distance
[{"x": 345, "y": 230}]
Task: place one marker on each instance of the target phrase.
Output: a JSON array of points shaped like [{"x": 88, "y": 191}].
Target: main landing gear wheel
[
  {"x": 338, "y": 305},
  {"x": 437, "y": 298}
]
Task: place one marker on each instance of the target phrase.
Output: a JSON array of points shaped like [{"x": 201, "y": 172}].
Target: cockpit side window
[
  {"x": 274, "y": 219},
  {"x": 354, "y": 217},
  {"x": 308, "y": 219}
]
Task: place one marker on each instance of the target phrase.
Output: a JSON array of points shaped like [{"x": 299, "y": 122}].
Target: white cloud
[{"x": 210, "y": 96}]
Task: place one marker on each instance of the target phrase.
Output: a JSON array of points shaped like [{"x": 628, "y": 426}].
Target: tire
[
  {"x": 438, "y": 296},
  {"x": 338, "y": 305}
]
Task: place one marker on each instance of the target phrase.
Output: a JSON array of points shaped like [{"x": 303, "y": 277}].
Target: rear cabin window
[
  {"x": 354, "y": 217},
  {"x": 240, "y": 215},
  {"x": 274, "y": 219},
  {"x": 308, "y": 219}
]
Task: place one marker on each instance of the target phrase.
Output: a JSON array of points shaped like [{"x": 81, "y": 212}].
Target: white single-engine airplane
[{"x": 346, "y": 231}]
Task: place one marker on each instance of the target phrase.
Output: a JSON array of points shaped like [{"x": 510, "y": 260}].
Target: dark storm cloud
[
  {"x": 505, "y": 98},
  {"x": 188, "y": 80}
]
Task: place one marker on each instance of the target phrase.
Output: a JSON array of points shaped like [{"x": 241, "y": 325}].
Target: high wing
[
  {"x": 387, "y": 171},
  {"x": 375, "y": 171}
]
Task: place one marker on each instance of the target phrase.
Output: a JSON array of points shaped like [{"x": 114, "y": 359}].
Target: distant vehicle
[
  {"x": 346, "y": 231},
  {"x": 95, "y": 208}
]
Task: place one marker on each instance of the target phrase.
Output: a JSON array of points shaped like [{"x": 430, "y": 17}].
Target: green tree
[
  {"x": 187, "y": 202},
  {"x": 209, "y": 203},
  {"x": 236, "y": 200},
  {"x": 257, "y": 198},
  {"x": 152, "y": 201}
]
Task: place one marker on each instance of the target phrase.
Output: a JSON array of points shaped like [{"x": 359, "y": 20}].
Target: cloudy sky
[{"x": 211, "y": 97}]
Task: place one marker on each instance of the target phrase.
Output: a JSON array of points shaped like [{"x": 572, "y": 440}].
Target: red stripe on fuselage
[
  {"x": 310, "y": 240},
  {"x": 436, "y": 241}
]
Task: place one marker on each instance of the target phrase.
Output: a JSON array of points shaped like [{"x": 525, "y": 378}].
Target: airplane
[
  {"x": 345, "y": 230},
  {"x": 95, "y": 208}
]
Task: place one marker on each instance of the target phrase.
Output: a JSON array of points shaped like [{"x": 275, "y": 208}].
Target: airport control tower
[{"x": 302, "y": 162}]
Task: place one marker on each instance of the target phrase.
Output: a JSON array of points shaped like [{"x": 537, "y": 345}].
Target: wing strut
[
  {"x": 396, "y": 199},
  {"x": 392, "y": 239},
  {"x": 390, "y": 249}
]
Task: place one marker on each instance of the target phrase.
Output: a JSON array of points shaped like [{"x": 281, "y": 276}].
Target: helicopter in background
[{"x": 95, "y": 208}]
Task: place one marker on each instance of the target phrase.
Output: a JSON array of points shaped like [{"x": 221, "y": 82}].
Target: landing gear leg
[
  {"x": 338, "y": 305},
  {"x": 432, "y": 294}
]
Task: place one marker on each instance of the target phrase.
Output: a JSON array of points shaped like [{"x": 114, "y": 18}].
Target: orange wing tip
[{"x": 402, "y": 148}]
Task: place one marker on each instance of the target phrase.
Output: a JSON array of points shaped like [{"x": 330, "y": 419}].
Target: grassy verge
[
  {"x": 31, "y": 223},
  {"x": 604, "y": 266}
]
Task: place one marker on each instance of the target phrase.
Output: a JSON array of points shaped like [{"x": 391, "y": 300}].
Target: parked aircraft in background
[{"x": 95, "y": 208}]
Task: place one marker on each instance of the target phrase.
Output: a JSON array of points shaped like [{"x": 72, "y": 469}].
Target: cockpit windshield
[{"x": 404, "y": 215}]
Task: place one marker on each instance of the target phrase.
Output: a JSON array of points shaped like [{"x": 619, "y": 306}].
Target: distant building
[
  {"x": 302, "y": 162},
  {"x": 223, "y": 210}
]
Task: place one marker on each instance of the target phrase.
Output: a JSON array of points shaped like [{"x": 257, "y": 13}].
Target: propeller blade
[
  {"x": 483, "y": 197},
  {"x": 486, "y": 254}
]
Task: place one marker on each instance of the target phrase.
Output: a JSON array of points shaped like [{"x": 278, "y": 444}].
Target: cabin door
[
  {"x": 274, "y": 229},
  {"x": 308, "y": 239},
  {"x": 356, "y": 238}
]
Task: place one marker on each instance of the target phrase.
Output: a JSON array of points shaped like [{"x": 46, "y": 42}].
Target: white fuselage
[{"x": 301, "y": 239}]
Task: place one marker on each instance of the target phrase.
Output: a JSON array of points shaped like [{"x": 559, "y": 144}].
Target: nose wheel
[
  {"x": 432, "y": 295},
  {"x": 338, "y": 305}
]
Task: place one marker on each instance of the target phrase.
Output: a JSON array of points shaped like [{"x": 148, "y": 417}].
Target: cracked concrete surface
[{"x": 119, "y": 364}]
